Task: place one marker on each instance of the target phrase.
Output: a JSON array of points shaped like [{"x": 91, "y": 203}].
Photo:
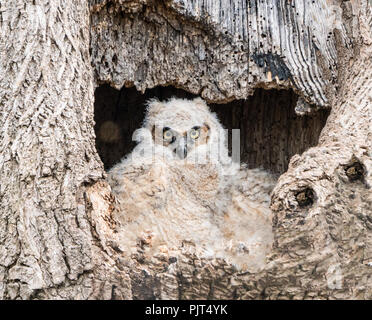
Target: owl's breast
[{"x": 199, "y": 182}]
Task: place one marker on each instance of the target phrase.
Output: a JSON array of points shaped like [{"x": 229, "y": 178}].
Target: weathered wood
[
  {"x": 47, "y": 151},
  {"x": 220, "y": 50}
]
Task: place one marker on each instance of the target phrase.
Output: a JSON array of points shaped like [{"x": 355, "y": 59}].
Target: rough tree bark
[{"x": 56, "y": 226}]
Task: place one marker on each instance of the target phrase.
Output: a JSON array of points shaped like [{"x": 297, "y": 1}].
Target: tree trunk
[{"x": 57, "y": 236}]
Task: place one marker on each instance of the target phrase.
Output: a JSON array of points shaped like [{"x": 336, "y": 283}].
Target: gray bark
[{"x": 56, "y": 226}]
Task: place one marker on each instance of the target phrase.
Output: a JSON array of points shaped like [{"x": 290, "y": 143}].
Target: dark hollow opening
[{"x": 270, "y": 131}]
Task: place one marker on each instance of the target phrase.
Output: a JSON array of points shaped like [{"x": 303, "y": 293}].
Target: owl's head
[{"x": 185, "y": 127}]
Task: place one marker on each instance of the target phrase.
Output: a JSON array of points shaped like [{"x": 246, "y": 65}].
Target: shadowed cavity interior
[{"x": 270, "y": 131}]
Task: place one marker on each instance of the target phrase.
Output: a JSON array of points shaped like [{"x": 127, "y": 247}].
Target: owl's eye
[
  {"x": 167, "y": 134},
  {"x": 194, "y": 133}
]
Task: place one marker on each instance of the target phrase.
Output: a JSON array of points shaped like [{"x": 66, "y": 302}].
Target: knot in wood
[
  {"x": 172, "y": 260},
  {"x": 305, "y": 197},
  {"x": 354, "y": 171}
]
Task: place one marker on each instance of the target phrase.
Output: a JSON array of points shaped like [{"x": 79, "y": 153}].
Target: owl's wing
[
  {"x": 247, "y": 224},
  {"x": 139, "y": 187},
  {"x": 255, "y": 184}
]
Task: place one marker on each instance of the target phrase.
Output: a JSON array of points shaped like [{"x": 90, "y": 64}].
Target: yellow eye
[
  {"x": 194, "y": 134},
  {"x": 167, "y": 135}
]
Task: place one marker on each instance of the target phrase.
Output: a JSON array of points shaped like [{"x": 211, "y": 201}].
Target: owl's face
[
  {"x": 187, "y": 129},
  {"x": 181, "y": 141}
]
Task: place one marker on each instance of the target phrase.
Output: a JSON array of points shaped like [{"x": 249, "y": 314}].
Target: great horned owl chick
[{"x": 179, "y": 184}]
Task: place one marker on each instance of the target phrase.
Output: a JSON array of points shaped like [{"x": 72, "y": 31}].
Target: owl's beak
[{"x": 181, "y": 149}]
